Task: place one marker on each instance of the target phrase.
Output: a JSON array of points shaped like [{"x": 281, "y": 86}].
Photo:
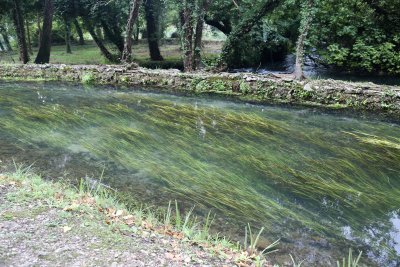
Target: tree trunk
[
  {"x": 39, "y": 28},
  {"x": 224, "y": 26},
  {"x": 43, "y": 55},
  {"x": 104, "y": 51},
  {"x": 68, "y": 36},
  {"x": 6, "y": 40},
  {"x": 28, "y": 32},
  {"x": 79, "y": 31},
  {"x": 2, "y": 48},
  {"x": 133, "y": 15},
  {"x": 137, "y": 32},
  {"x": 99, "y": 33},
  {"x": 304, "y": 28},
  {"x": 251, "y": 18},
  {"x": 113, "y": 34},
  {"x": 152, "y": 34},
  {"x": 20, "y": 30},
  {"x": 203, "y": 7},
  {"x": 187, "y": 26}
]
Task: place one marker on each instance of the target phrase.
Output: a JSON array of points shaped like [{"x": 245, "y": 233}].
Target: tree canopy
[{"x": 348, "y": 35}]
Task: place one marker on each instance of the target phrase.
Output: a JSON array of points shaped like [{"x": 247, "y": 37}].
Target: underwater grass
[{"x": 275, "y": 172}]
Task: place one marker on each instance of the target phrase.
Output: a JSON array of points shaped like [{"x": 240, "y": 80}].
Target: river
[{"x": 321, "y": 183}]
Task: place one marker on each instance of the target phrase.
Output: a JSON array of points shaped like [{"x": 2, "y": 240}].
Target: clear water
[{"x": 322, "y": 183}]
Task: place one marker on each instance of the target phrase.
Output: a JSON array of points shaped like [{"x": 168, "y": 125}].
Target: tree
[
  {"x": 249, "y": 19},
  {"x": 67, "y": 24},
  {"x": 18, "y": 19},
  {"x": 202, "y": 9},
  {"x": 28, "y": 35},
  {"x": 133, "y": 16},
  {"x": 43, "y": 55},
  {"x": 6, "y": 39},
  {"x": 192, "y": 19},
  {"x": 2, "y": 48},
  {"x": 79, "y": 31},
  {"x": 361, "y": 36},
  {"x": 152, "y": 29},
  {"x": 306, "y": 19},
  {"x": 103, "y": 49}
]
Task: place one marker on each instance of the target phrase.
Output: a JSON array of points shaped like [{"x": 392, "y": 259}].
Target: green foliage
[
  {"x": 88, "y": 78},
  {"x": 355, "y": 35}
]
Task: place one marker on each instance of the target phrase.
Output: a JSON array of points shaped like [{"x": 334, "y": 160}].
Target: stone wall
[{"x": 332, "y": 94}]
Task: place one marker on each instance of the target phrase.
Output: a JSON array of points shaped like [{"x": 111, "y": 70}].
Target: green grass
[
  {"x": 102, "y": 204},
  {"x": 90, "y": 54}
]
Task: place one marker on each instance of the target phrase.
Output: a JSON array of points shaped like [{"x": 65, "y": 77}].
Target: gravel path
[{"x": 33, "y": 234}]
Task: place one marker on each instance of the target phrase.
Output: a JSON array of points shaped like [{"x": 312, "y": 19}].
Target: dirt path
[{"x": 34, "y": 234}]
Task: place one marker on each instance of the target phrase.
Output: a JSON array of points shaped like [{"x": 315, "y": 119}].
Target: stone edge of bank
[{"x": 263, "y": 89}]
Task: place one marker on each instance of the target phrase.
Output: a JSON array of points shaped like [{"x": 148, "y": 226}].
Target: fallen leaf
[
  {"x": 130, "y": 222},
  {"x": 66, "y": 228},
  {"x": 71, "y": 207},
  {"x": 59, "y": 196},
  {"x": 119, "y": 213},
  {"x": 128, "y": 217}
]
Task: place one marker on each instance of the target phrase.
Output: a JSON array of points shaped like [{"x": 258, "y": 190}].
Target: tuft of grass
[
  {"x": 350, "y": 261},
  {"x": 296, "y": 264}
]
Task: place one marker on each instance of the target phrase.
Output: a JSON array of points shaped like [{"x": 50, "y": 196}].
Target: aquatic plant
[{"x": 279, "y": 169}]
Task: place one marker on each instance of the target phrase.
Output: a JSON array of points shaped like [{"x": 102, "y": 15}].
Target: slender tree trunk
[
  {"x": 137, "y": 32},
  {"x": 251, "y": 18},
  {"x": 152, "y": 33},
  {"x": 79, "y": 31},
  {"x": 38, "y": 21},
  {"x": 133, "y": 15},
  {"x": 6, "y": 40},
  {"x": 304, "y": 28},
  {"x": 99, "y": 42},
  {"x": 68, "y": 36},
  {"x": 113, "y": 34},
  {"x": 20, "y": 29},
  {"x": 43, "y": 55},
  {"x": 202, "y": 7},
  {"x": 28, "y": 32},
  {"x": 99, "y": 33},
  {"x": 187, "y": 19}
]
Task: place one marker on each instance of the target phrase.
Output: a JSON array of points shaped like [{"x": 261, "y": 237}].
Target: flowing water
[{"x": 320, "y": 182}]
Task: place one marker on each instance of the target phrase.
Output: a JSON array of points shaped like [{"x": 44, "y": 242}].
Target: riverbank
[
  {"x": 51, "y": 224},
  {"x": 282, "y": 89}
]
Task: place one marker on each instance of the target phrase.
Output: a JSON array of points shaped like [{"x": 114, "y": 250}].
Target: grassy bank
[
  {"x": 94, "y": 210},
  {"x": 90, "y": 54}
]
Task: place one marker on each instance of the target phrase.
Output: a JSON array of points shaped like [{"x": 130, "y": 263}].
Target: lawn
[{"x": 90, "y": 54}]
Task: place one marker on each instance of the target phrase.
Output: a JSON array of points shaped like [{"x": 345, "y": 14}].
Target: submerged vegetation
[{"x": 281, "y": 170}]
